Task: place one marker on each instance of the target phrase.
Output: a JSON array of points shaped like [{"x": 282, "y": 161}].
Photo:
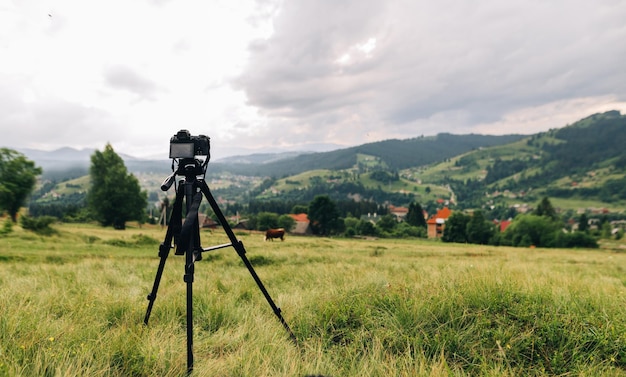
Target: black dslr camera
[{"x": 183, "y": 145}]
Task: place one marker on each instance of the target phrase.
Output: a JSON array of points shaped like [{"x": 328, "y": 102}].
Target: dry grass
[{"x": 73, "y": 304}]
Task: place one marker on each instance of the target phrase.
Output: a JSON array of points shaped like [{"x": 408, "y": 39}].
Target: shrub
[
  {"x": 576, "y": 239},
  {"x": 39, "y": 225},
  {"x": 137, "y": 240},
  {"x": 528, "y": 230},
  {"x": 365, "y": 228},
  {"x": 404, "y": 230},
  {"x": 7, "y": 227}
]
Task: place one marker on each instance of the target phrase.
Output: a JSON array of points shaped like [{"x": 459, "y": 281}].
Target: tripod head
[{"x": 190, "y": 168}]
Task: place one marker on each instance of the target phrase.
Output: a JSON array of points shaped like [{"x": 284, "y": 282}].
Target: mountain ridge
[
  {"x": 68, "y": 162},
  {"x": 584, "y": 162}
]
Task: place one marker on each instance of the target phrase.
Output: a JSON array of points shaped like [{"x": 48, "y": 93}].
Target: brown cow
[{"x": 275, "y": 233}]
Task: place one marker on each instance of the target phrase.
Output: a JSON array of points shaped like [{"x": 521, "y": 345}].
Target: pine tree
[
  {"x": 115, "y": 195},
  {"x": 479, "y": 229},
  {"x": 324, "y": 216},
  {"x": 456, "y": 228},
  {"x": 583, "y": 223},
  {"x": 546, "y": 209},
  {"x": 415, "y": 216}
]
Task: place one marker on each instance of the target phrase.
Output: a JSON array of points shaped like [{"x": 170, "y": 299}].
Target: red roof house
[
  {"x": 303, "y": 225},
  {"x": 398, "y": 212},
  {"x": 437, "y": 222}
]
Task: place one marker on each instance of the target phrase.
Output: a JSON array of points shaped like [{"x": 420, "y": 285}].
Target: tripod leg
[
  {"x": 189, "y": 277},
  {"x": 190, "y": 236},
  {"x": 241, "y": 251},
  {"x": 164, "y": 250}
]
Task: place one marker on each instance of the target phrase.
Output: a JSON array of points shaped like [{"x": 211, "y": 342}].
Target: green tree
[
  {"x": 18, "y": 176},
  {"x": 266, "y": 220},
  {"x": 583, "y": 223},
  {"x": 115, "y": 195},
  {"x": 365, "y": 228},
  {"x": 545, "y": 208},
  {"x": 299, "y": 208},
  {"x": 415, "y": 216},
  {"x": 456, "y": 228},
  {"x": 324, "y": 216},
  {"x": 605, "y": 230},
  {"x": 532, "y": 230},
  {"x": 350, "y": 222},
  {"x": 287, "y": 222},
  {"x": 387, "y": 223},
  {"x": 479, "y": 229},
  {"x": 575, "y": 239}
]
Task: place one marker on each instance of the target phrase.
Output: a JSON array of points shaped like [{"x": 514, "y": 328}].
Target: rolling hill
[
  {"x": 584, "y": 161},
  {"x": 579, "y": 165},
  {"x": 396, "y": 154}
]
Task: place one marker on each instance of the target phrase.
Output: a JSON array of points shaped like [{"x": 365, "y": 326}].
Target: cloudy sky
[{"x": 272, "y": 75}]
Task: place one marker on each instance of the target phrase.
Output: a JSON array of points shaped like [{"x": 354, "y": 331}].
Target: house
[
  {"x": 437, "y": 223},
  {"x": 371, "y": 217},
  {"x": 303, "y": 225},
  {"x": 207, "y": 222},
  {"x": 502, "y": 224},
  {"x": 398, "y": 212},
  {"x": 241, "y": 225}
]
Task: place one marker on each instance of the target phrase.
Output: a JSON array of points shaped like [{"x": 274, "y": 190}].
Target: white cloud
[{"x": 266, "y": 75}]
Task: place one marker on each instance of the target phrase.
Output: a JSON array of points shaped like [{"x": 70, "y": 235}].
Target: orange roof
[
  {"x": 393, "y": 208},
  {"x": 504, "y": 224},
  {"x": 443, "y": 213},
  {"x": 300, "y": 217}
]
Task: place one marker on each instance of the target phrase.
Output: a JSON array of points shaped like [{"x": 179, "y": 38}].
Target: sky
[{"x": 267, "y": 76}]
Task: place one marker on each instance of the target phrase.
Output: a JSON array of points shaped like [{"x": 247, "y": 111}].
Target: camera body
[{"x": 184, "y": 145}]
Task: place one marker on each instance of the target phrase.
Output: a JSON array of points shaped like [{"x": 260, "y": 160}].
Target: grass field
[{"x": 73, "y": 304}]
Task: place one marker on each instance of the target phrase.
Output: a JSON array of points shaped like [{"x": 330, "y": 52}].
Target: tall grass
[{"x": 73, "y": 304}]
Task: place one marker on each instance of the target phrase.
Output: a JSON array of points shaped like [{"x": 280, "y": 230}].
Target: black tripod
[{"x": 186, "y": 238}]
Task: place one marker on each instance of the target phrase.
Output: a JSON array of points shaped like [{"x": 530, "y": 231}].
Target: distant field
[{"x": 73, "y": 305}]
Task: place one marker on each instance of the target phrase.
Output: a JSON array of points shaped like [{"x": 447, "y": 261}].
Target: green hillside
[
  {"x": 393, "y": 154},
  {"x": 377, "y": 185},
  {"x": 582, "y": 165},
  {"x": 582, "y": 162},
  {"x": 70, "y": 189}
]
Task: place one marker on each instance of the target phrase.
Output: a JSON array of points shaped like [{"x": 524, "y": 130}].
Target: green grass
[
  {"x": 482, "y": 157},
  {"x": 403, "y": 185},
  {"x": 371, "y": 162},
  {"x": 73, "y": 305},
  {"x": 73, "y": 186},
  {"x": 298, "y": 181}
]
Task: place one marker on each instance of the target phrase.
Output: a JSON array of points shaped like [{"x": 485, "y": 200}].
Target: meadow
[{"x": 73, "y": 303}]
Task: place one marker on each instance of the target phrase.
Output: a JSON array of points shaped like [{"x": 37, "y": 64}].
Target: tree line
[
  {"x": 115, "y": 197},
  {"x": 541, "y": 228}
]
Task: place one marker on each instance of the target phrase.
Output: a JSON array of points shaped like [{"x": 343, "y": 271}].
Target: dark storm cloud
[{"x": 481, "y": 59}]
